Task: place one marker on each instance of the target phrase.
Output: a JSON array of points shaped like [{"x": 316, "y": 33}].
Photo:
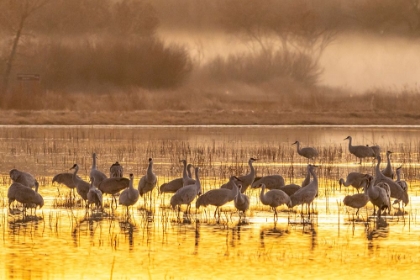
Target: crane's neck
[
  {"x": 189, "y": 170},
  {"x": 315, "y": 178},
  {"x": 349, "y": 142},
  {"x": 251, "y": 168},
  {"x": 262, "y": 194},
  {"x": 234, "y": 192},
  {"x": 197, "y": 180},
  {"x": 94, "y": 161},
  {"x": 398, "y": 175},
  {"x": 388, "y": 158},
  {"x": 298, "y": 146},
  {"x": 378, "y": 172},
  {"x": 130, "y": 186},
  {"x": 184, "y": 171},
  {"x": 150, "y": 168}
]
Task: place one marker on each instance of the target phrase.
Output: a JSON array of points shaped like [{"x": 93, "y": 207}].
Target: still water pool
[{"x": 62, "y": 241}]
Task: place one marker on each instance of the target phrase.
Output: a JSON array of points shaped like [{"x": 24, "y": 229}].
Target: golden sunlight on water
[{"x": 63, "y": 242}]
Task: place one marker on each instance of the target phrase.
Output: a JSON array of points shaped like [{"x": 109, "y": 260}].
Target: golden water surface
[{"x": 64, "y": 241}]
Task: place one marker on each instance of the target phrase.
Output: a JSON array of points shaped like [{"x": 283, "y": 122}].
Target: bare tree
[{"x": 14, "y": 16}]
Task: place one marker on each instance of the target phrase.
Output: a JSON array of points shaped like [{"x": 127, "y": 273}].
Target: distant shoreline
[{"x": 221, "y": 117}]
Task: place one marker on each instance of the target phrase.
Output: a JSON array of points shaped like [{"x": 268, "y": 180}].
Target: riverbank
[{"x": 221, "y": 117}]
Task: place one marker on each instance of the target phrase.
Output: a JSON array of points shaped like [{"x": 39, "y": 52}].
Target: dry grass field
[{"x": 231, "y": 104}]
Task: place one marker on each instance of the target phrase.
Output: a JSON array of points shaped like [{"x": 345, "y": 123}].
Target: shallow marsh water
[{"x": 63, "y": 242}]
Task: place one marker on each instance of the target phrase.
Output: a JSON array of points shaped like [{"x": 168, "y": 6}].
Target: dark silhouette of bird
[
  {"x": 148, "y": 182},
  {"x": 358, "y": 200},
  {"x": 399, "y": 181},
  {"x": 65, "y": 179},
  {"x": 388, "y": 171},
  {"x": 270, "y": 182},
  {"x": 307, "y": 179},
  {"x": 23, "y": 178},
  {"x": 289, "y": 189},
  {"x": 82, "y": 187},
  {"x": 245, "y": 180},
  {"x": 397, "y": 191},
  {"x": 360, "y": 151},
  {"x": 218, "y": 197},
  {"x": 113, "y": 186},
  {"x": 129, "y": 196},
  {"x": 355, "y": 179},
  {"x": 307, "y": 194},
  {"x": 379, "y": 196},
  {"x": 307, "y": 152},
  {"x": 274, "y": 198},
  {"x": 176, "y": 184},
  {"x": 187, "y": 194},
  {"x": 402, "y": 184},
  {"x": 28, "y": 197},
  {"x": 95, "y": 175},
  {"x": 376, "y": 149},
  {"x": 116, "y": 170},
  {"x": 94, "y": 196},
  {"x": 186, "y": 173},
  {"x": 241, "y": 202}
]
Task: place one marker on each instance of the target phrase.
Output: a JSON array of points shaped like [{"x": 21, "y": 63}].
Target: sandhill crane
[
  {"x": 186, "y": 173},
  {"x": 82, "y": 187},
  {"x": 388, "y": 172},
  {"x": 358, "y": 200},
  {"x": 176, "y": 184},
  {"x": 378, "y": 196},
  {"x": 23, "y": 178},
  {"x": 376, "y": 149},
  {"x": 396, "y": 190},
  {"x": 27, "y": 196},
  {"x": 218, "y": 197},
  {"x": 245, "y": 180},
  {"x": 360, "y": 151},
  {"x": 65, "y": 179},
  {"x": 401, "y": 183},
  {"x": 307, "y": 194},
  {"x": 148, "y": 182},
  {"x": 307, "y": 152},
  {"x": 241, "y": 202},
  {"x": 231, "y": 183},
  {"x": 130, "y": 195},
  {"x": 270, "y": 182},
  {"x": 95, "y": 175},
  {"x": 116, "y": 170},
  {"x": 307, "y": 177},
  {"x": 289, "y": 189},
  {"x": 274, "y": 198},
  {"x": 186, "y": 194},
  {"x": 113, "y": 186},
  {"x": 355, "y": 179},
  {"x": 94, "y": 196}
]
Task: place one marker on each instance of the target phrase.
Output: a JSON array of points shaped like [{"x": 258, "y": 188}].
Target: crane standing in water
[
  {"x": 360, "y": 151},
  {"x": 307, "y": 152}
]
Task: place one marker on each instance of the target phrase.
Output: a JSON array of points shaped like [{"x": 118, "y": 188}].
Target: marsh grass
[{"x": 52, "y": 151}]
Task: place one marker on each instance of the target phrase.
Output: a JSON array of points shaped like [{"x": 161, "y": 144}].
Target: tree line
[{"x": 113, "y": 43}]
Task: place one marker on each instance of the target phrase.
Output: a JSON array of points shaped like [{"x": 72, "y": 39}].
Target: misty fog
[
  {"x": 167, "y": 54},
  {"x": 354, "y": 61}
]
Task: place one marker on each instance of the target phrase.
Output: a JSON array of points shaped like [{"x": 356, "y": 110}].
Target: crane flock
[{"x": 378, "y": 188}]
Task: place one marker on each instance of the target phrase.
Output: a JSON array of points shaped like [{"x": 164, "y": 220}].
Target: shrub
[{"x": 146, "y": 63}]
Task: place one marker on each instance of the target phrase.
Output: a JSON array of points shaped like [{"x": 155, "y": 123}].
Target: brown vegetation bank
[{"x": 204, "y": 117}]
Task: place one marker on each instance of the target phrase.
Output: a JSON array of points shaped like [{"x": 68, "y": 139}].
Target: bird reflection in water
[
  {"x": 272, "y": 232},
  {"x": 376, "y": 229}
]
